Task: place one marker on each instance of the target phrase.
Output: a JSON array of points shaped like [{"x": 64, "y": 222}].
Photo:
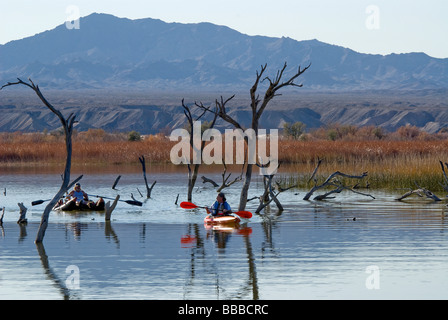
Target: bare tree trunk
[
  {"x": 2, "y": 215},
  {"x": 148, "y": 188},
  {"x": 116, "y": 182},
  {"x": 109, "y": 208},
  {"x": 67, "y": 124},
  {"x": 23, "y": 210},
  {"x": 245, "y": 190},
  {"x": 193, "y": 175}
]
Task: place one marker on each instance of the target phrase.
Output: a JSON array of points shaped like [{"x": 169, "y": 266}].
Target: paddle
[
  {"x": 242, "y": 214},
  {"x": 35, "y": 203},
  {"x": 131, "y": 202}
]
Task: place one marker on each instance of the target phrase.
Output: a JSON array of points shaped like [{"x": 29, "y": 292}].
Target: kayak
[
  {"x": 227, "y": 220},
  {"x": 71, "y": 205}
]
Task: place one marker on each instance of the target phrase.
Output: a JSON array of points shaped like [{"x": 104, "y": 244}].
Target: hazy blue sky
[{"x": 373, "y": 26}]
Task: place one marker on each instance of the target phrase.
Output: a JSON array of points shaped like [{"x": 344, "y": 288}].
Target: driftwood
[
  {"x": 421, "y": 192},
  {"x": 339, "y": 189},
  {"x": 109, "y": 208},
  {"x": 148, "y": 188},
  {"x": 332, "y": 181}
]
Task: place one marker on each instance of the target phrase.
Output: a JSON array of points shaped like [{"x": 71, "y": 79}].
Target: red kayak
[{"x": 227, "y": 220}]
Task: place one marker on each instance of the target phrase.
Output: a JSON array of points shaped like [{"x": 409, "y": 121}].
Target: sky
[{"x": 366, "y": 26}]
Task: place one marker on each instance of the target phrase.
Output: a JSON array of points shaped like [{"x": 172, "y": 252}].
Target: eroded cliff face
[{"x": 151, "y": 112}]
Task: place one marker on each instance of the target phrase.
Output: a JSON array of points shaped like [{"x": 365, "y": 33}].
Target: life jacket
[
  {"x": 79, "y": 195},
  {"x": 218, "y": 208}
]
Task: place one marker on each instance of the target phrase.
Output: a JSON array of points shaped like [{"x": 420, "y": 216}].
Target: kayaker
[
  {"x": 78, "y": 194},
  {"x": 220, "y": 207}
]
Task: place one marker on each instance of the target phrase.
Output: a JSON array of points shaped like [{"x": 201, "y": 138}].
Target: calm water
[{"x": 313, "y": 250}]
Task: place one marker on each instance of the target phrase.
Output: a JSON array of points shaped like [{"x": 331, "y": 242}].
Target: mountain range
[
  {"x": 100, "y": 71},
  {"x": 111, "y": 52}
]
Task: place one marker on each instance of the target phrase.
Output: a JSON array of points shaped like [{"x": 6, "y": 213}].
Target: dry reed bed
[
  {"x": 390, "y": 164},
  {"x": 109, "y": 152},
  {"x": 395, "y": 164}
]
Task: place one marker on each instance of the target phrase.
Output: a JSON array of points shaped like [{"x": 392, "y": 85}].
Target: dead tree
[
  {"x": 148, "y": 188},
  {"x": 421, "y": 192},
  {"x": 67, "y": 124},
  {"x": 193, "y": 174},
  {"x": 109, "y": 208},
  {"x": 208, "y": 180},
  {"x": 2, "y": 215},
  {"x": 445, "y": 182},
  {"x": 225, "y": 179},
  {"x": 257, "y": 107},
  {"x": 23, "y": 210},
  {"x": 116, "y": 182},
  {"x": 332, "y": 181},
  {"x": 269, "y": 194}
]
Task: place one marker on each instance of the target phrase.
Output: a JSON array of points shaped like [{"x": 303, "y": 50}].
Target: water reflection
[
  {"x": 51, "y": 275},
  {"x": 311, "y": 250},
  {"x": 220, "y": 236},
  {"x": 194, "y": 241}
]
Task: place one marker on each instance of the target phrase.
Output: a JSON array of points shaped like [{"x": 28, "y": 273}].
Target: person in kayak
[
  {"x": 78, "y": 194},
  {"x": 220, "y": 207}
]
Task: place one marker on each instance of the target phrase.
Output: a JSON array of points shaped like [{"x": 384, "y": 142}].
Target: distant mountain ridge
[
  {"x": 111, "y": 52},
  {"x": 150, "y": 113}
]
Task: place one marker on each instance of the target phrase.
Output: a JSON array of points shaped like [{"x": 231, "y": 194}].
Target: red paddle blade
[
  {"x": 244, "y": 214},
  {"x": 188, "y": 241},
  {"x": 188, "y": 205}
]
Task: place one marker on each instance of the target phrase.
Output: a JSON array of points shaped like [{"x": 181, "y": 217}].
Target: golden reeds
[{"x": 390, "y": 163}]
